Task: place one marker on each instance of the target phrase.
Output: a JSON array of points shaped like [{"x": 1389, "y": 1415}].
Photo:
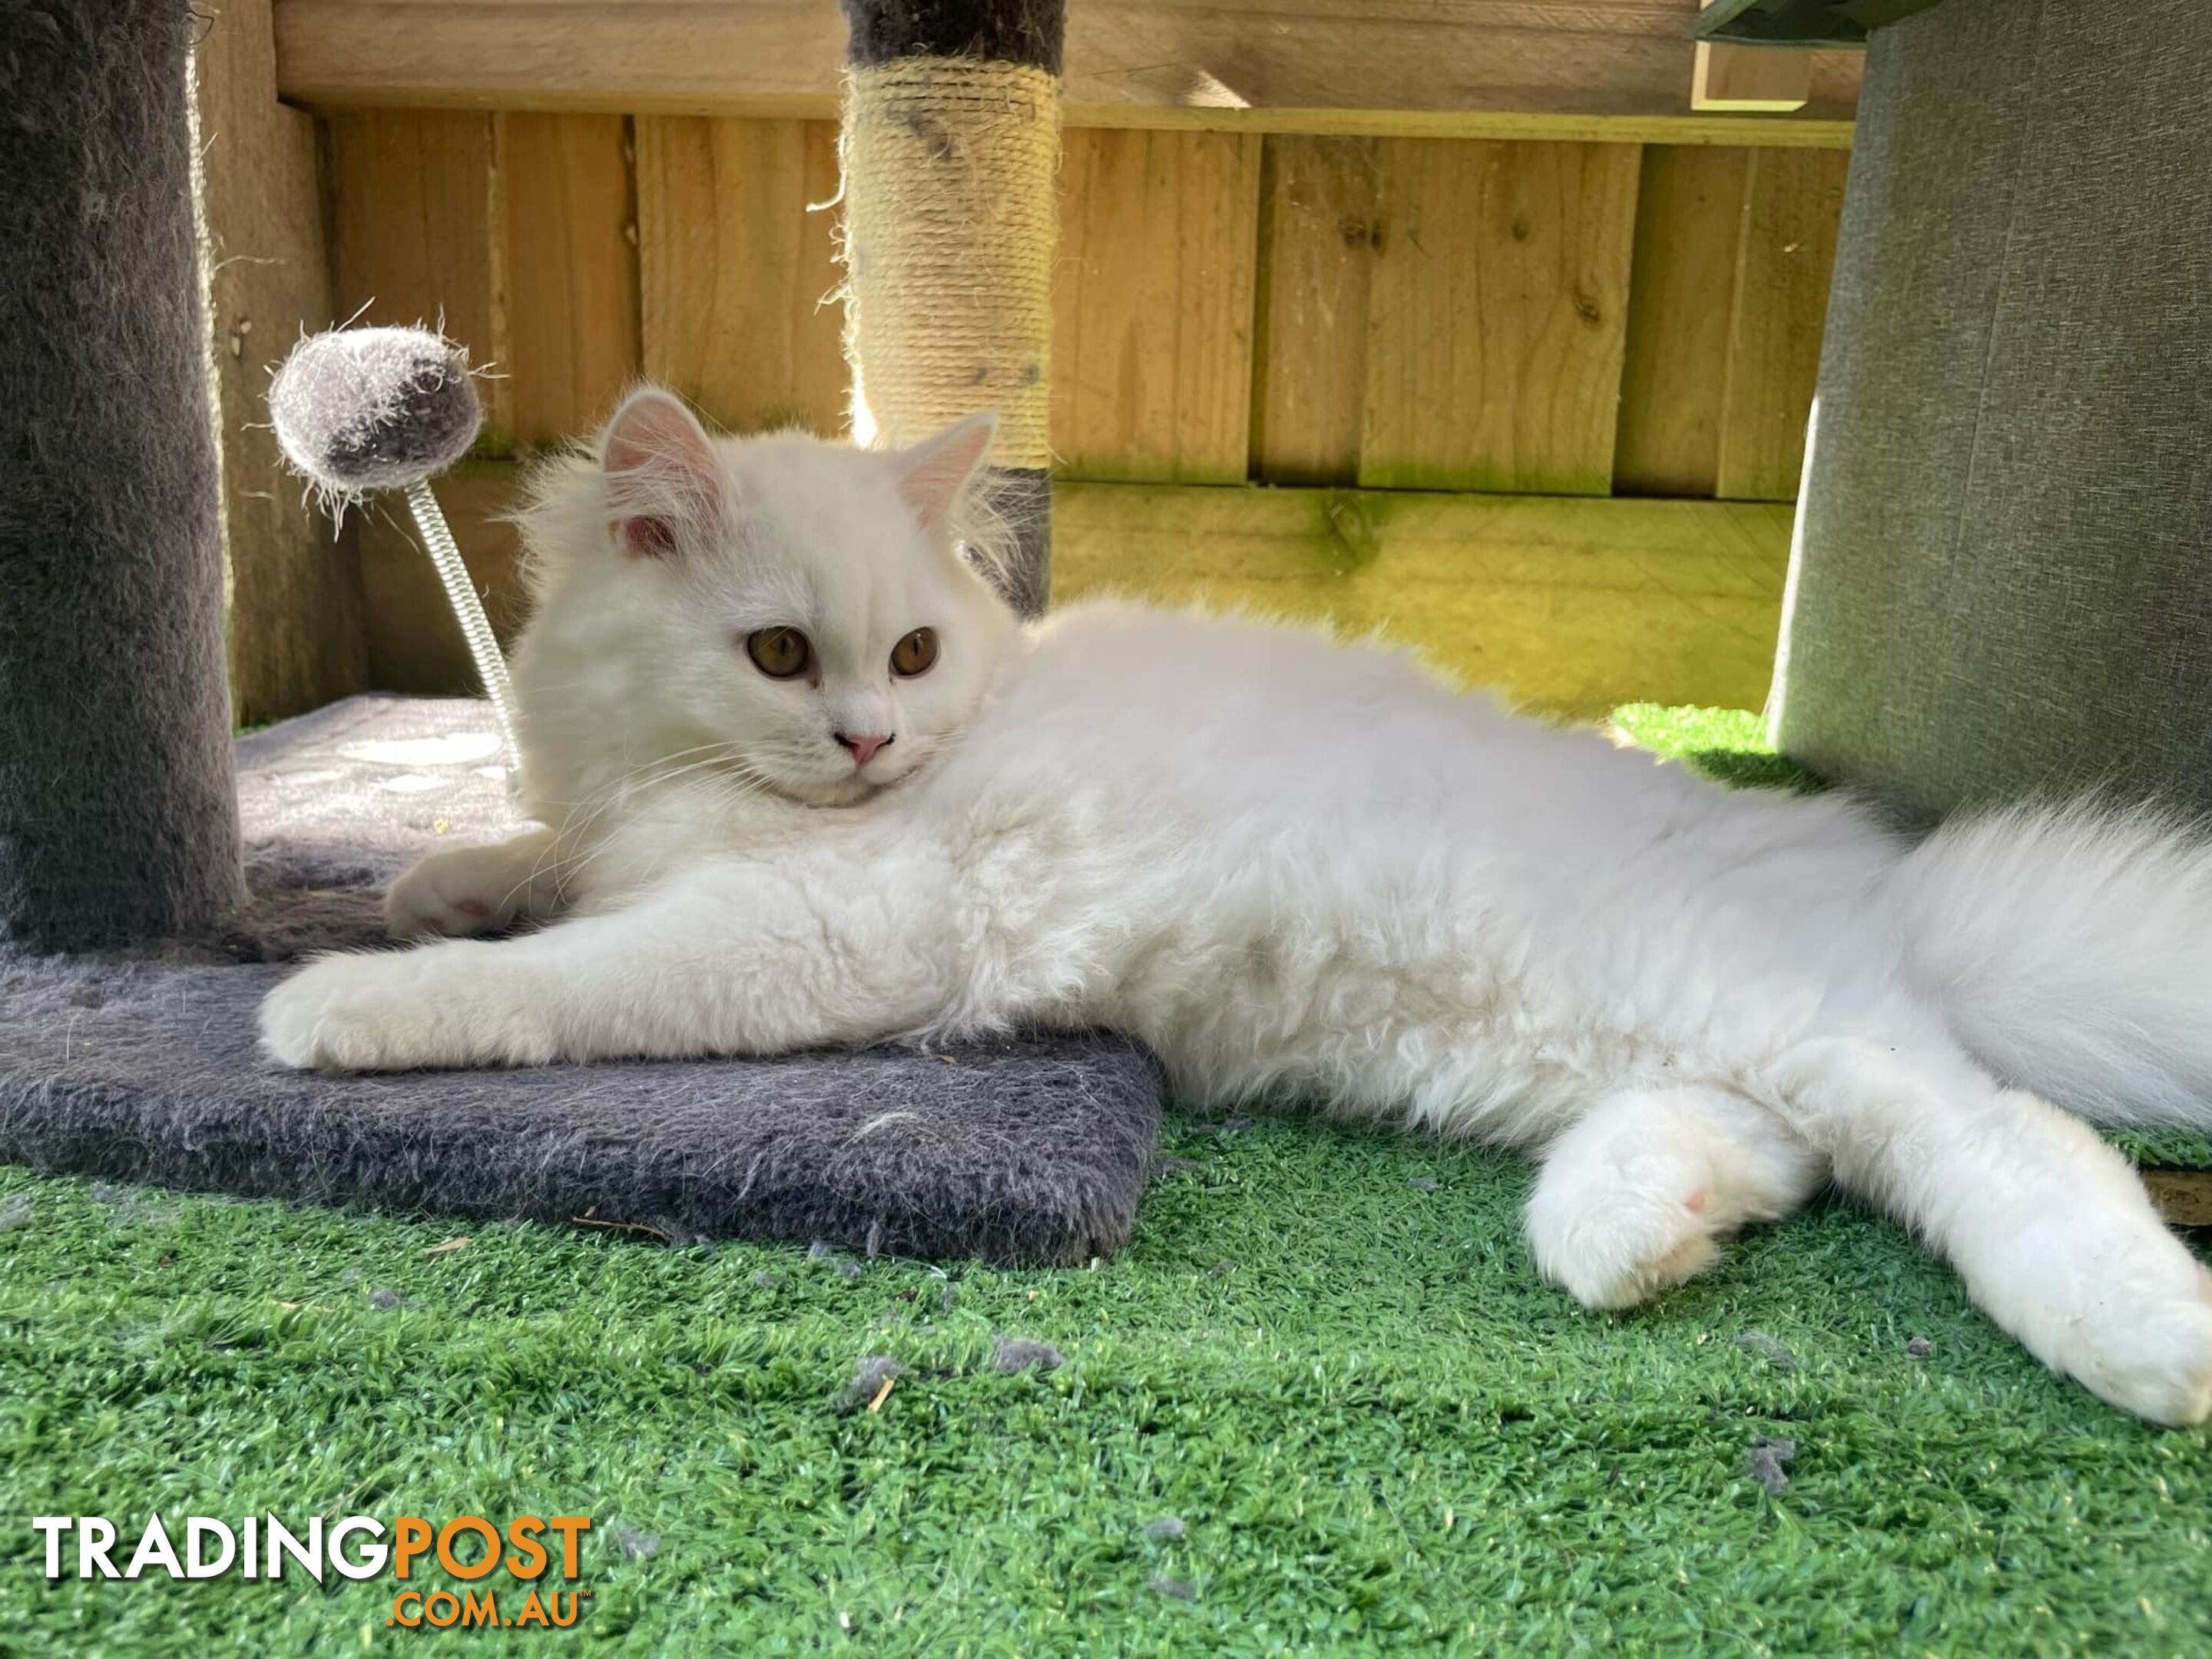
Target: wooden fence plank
[
  {"x": 1244, "y": 64},
  {"x": 1499, "y": 310},
  {"x": 1681, "y": 299},
  {"x": 571, "y": 239},
  {"x": 294, "y": 588},
  {"x": 414, "y": 239},
  {"x": 1152, "y": 305},
  {"x": 1792, "y": 207},
  {"x": 737, "y": 275},
  {"x": 1318, "y": 233}
]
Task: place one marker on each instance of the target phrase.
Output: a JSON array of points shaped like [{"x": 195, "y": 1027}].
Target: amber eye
[
  {"x": 782, "y": 653},
  {"x": 915, "y": 655}
]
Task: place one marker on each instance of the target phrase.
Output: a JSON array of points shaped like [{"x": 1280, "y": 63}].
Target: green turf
[
  {"x": 1728, "y": 745},
  {"x": 1325, "y": 1355}
]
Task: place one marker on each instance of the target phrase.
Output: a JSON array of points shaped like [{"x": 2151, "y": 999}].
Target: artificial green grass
[
  {"x": 1325, "y": 1355},
  {"x": 1726, "y": 744}
]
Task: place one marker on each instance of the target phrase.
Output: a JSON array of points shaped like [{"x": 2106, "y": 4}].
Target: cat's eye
[
  {"x": 915, "y": 655},
  {"x": 782, "y": 653}
]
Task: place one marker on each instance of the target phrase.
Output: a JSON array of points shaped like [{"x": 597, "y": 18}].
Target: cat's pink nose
[{"x": 863, "y": 744}]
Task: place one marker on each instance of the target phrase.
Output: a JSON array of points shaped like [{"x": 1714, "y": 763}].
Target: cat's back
[
  {"x": 1165, "y": 678},
  {"x": 1240, "y": 712},
  {"x": 1155, "y": 724},
  {"x": 1155, "y": 775}
]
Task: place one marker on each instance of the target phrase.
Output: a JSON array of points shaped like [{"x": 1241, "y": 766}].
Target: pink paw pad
[{"x": 472, "y": 906}]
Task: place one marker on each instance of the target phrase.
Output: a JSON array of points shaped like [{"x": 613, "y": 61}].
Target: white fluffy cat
[{"x": 806, "y": 782}]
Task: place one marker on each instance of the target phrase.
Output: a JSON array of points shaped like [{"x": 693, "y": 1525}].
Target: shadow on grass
[
  {"x": 1728, "y": 745},
  {"x": 1743, "y": 770}
]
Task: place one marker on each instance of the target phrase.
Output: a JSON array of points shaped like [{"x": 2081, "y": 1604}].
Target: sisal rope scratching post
[{"x": 950, "y": 150}]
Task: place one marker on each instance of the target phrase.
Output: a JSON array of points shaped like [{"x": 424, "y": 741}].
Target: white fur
[{"x": 1305, "y": 870}]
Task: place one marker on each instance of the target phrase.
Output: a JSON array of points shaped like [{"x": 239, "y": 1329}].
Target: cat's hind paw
[
  {"x": 2133, "y": 1326},
  {"x": 1620, "y": 1243},
  {"x": 1638, "y": 1195},
  {"x": 2160, "y": 1368}
]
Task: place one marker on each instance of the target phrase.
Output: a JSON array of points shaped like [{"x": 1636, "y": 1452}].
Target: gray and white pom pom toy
[{"x": 358, "y": 409}]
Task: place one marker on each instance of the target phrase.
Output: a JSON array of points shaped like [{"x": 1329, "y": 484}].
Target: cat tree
[
  {"x": 951, "y": 145},
  {"x": 119, "y": 817},
  {"x": 2001, "y": 585}
]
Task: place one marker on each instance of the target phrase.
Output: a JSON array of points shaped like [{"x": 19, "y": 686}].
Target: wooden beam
[
  {"x": 2184, "y": 1197},
  {"x": 572, "y": 339},
  {"x": 517, "y": 233},
  {"x": 1792, "y": 207},
  {"x": 1681, "y": 299},
  {"x": 1467, "y": 67},
  {"x": 415, "y": 237},
  {"x": 1742, "y": 80},
  {"x": 293, "y": 586},
  {"x": 1727, "y": 308},
  {"x": 1749, "y": 80},
  {"x": 1570, "y": 605}
]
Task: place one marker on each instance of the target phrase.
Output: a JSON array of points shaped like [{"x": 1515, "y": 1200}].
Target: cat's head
[{"x": 798, "y": 613}]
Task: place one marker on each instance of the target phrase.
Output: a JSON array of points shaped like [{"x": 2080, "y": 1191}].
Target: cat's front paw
[
  {"x": 457, "y": 892},
  {"x": 341, "y": 1014},
  {"x": 390, "y": 1012}
]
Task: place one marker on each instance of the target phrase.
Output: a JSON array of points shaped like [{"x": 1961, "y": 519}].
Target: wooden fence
[
  {"x": 1433, "y": 313},
  {"x": 1534, "y": 402}
]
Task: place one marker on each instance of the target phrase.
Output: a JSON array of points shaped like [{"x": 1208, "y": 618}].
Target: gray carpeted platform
[{"x": 143, "y": 1068}]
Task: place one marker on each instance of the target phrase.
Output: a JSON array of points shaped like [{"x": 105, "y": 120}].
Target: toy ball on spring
[{"x": 359, "y": 410}]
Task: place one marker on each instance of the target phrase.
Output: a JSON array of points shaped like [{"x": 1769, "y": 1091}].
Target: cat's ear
[
  {"x": 933, "y": 475},
  {"x": 664, "y": 482}
]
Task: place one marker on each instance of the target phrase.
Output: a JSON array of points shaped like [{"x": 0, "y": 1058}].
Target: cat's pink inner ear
[
  {"x": 664, "y": 482},
  {"x": 934, "y": 474}
]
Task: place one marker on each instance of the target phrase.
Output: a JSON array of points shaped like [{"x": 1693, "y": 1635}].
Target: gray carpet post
[
  {"x": 2002, "y": 584},
  {"x": 117, "y": 816},
  {"x": 950, "y": 149}
]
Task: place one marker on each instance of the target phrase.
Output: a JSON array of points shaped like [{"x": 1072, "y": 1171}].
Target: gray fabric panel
[
  {"x": 2003, "y": 581},
  {"x": 116, "y": 813},
  {"x": 1801, "y": 22},
  {"x": 142, "y": 1067},
  {"x": 1016, "y": 31},
  {"x": 1022, "y": 498}
]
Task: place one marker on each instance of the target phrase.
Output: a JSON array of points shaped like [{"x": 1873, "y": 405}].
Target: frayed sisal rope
[{"x": 950, "y": 220}]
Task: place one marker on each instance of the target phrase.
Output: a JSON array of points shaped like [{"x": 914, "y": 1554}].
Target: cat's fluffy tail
[{"x": 2071, "y": 951}]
